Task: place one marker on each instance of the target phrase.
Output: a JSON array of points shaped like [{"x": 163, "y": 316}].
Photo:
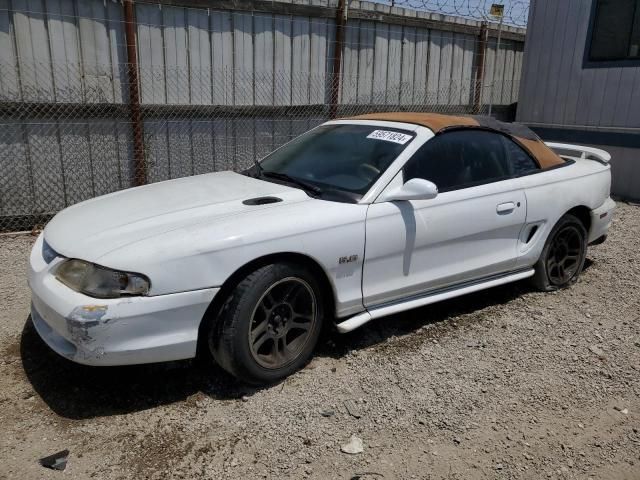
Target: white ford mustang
[{"x": 356, "y": 219}]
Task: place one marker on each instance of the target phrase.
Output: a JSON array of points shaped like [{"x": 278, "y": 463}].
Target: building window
[{"x": 615, "y": 31}]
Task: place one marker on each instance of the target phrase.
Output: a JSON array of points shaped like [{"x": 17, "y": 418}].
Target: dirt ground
[{"x": 506, "y": 383}]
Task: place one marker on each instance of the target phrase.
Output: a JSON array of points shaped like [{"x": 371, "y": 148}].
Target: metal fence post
[
  {"x": 482, "y": 48},
  {"x": 493, "y": 70},
  {"x": 336, "y": 72},
  {"x": 137, "y": 128}
]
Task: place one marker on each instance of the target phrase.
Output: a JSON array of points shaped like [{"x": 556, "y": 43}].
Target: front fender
[{"x": 204, "y": 256}]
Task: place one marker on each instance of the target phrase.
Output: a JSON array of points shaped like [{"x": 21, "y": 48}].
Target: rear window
[{"x": 521, "y": 162}]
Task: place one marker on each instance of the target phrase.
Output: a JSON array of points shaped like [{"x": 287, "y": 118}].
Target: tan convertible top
[{"x": 546, "y": 157}]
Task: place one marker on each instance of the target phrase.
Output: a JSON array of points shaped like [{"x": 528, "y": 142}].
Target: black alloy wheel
[
  {"x": 269, "y": 323},
  {"x": 282, "y": 322},
  {"x": 563, "y": 255},
  {"x": 563, "y": 259}
]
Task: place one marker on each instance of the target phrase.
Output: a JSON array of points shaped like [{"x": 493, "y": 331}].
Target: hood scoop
[{"x": 261, "y": 200}]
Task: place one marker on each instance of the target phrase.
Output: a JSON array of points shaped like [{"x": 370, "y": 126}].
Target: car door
[{"x": 468, "y": 232}]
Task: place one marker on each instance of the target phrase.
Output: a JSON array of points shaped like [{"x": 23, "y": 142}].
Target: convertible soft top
[{"x": 546, "y": 157}]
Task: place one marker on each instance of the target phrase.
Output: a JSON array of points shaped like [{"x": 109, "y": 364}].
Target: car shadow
[
  {"x": 379, "y": 330},
  {"x": 76, "y": 391}
]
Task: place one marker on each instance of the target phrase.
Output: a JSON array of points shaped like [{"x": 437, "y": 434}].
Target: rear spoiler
[{"x": 584, "y": 152}]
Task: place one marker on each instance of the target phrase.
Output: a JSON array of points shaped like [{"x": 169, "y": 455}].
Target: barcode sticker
[{"x": 389, "y": 136}]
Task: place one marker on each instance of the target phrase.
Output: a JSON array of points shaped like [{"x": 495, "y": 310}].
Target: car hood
[{"x": 91, "y": 229}]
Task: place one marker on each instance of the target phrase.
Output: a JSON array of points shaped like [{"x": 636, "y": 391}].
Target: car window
[
  {"x": 459, "y": 159},
  {"x": 520, "y": 161},
  {"x": 343, "y": 157}
]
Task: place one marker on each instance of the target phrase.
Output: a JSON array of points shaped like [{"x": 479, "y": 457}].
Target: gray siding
[{"x": 556, "y": 89}]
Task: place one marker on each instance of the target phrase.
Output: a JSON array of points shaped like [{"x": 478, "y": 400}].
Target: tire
[
  {"x": 269, "y": 324},
  {"x": 563, "y": 256}
]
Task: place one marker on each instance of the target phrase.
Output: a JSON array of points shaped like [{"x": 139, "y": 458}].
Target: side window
[
  {"x": 459, "y": 159},
  {"x": 520, "y": 161}
]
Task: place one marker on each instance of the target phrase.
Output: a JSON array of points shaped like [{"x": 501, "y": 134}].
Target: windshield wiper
[
  {"x": 258, "y": 167},
  {"x": 296, "y": 181}
]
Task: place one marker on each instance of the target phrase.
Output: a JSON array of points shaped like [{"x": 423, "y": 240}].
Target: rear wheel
[
  {"x": 269, "y": 325},
  {"x": 563, "y": 256}
]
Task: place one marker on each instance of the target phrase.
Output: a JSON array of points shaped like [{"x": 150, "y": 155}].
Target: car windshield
[{"x": 340, "y": 158}]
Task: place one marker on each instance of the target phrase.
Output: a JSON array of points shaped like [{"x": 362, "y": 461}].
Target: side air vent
[
  {"x": 261, "y": 200},
  {"x": 532, "y": 232}
]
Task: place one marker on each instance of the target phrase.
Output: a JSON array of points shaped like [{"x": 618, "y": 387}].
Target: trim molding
[
  {"x": 629, "y": 138},
  {"x": 382, "y": 310}
]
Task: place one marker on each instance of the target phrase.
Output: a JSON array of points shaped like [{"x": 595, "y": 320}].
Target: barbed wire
[{"x": 516, "y": 12}]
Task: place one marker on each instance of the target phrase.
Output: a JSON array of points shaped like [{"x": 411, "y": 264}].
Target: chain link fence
[{"x": 216, "y": 91}]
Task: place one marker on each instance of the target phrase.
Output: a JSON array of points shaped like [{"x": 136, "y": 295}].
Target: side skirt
[{"x": 427, "y": 299}]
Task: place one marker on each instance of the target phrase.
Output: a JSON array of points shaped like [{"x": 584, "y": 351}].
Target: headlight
[{"x": 100, "y": 282}]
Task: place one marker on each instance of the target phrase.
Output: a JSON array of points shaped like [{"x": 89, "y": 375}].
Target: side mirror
[{"x": 414, "y": 189}]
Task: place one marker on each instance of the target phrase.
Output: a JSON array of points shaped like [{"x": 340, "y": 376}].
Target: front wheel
[
  {"x": 563, "y": 256},
  {"x": 269, "y": 325}
]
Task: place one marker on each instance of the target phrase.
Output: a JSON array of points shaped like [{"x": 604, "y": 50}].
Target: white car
[{"x": 356, "y": 219}]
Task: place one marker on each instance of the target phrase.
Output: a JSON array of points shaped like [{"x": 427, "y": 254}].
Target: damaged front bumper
[{"x": 120, "y": 331}]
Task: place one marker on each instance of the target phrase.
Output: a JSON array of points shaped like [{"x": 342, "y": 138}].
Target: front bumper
[{"x": 121, "y": 331}]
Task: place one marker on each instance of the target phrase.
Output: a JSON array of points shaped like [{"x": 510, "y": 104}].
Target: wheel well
[
  {"x": 583, "y": 214},
  {"x": 228, "y": 286}
]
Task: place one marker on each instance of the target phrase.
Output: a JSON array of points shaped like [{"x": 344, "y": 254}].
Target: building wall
[{"x": 568, "y": 102}]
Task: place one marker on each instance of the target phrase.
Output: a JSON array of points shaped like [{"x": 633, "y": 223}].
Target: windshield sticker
[{"x": 389, "y": 136}]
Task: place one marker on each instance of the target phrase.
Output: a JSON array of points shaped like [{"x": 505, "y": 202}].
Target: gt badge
[{"x": 349, "y": 259}]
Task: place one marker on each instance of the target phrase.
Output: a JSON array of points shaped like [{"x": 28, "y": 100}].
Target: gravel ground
[{"x": 507, "y": 383}]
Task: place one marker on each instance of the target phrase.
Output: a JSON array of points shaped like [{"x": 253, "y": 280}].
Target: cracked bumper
[{"x": 122, "y": 331}]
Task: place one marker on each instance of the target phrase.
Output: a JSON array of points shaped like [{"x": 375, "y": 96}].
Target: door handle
[{"x": 505, "y": 208}]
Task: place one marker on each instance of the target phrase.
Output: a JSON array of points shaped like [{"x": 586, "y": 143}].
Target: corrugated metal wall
[
  {"x": 396, "y": 65},
  {"x": 231, "y": 58},
  {"x": 56, "y": 52},
  {"x": 240, "y": 58},
  {"x": 61, "y": 51}
]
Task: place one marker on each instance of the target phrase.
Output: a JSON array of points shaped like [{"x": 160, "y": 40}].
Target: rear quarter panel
[{"x": 551, "y": 194}]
